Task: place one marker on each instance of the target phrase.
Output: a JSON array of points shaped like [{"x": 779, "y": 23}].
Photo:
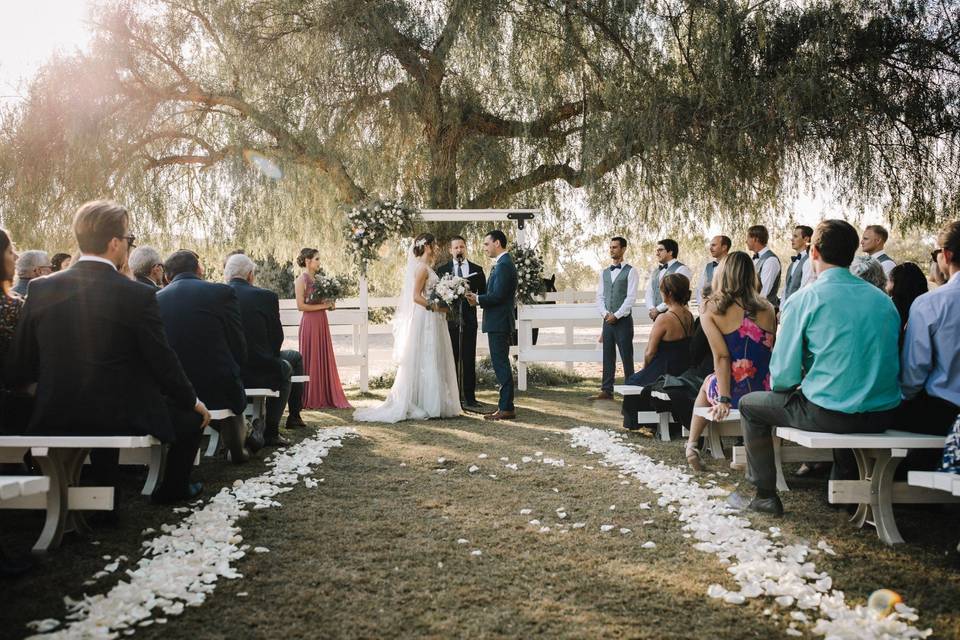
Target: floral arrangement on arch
[
  {"x": 530, "y": 284},
  {"x": 369, "y": 226}
]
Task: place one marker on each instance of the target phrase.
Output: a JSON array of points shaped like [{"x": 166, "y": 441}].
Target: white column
[{"x": 364, "y": 327}]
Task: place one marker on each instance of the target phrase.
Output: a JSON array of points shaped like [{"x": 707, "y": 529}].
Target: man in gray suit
[{"x": 616, "y": 294}]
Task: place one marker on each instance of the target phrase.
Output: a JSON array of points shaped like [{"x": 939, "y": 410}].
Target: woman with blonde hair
[{"x": 741, "y": 327}]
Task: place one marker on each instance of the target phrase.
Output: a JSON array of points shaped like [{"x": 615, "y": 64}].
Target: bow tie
[
  {"x": 796, "y": 257},
  {"x": 715, "y": 263},
  {"x": 662, "y": 267},
  {"x": 614, "y": 267},
  {"x": 756, "y": 256}
]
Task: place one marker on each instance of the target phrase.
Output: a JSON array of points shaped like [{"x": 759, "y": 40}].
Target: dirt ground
[{"x": 373, "y": 551}]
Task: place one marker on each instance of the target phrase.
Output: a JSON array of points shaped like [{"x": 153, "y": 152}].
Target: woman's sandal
[{"x": 693, "y": 457}]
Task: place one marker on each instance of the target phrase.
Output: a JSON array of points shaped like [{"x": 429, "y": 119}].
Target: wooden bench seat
[
  {"x": 938, "y": 480},
  {"x": 12, "y": 487},
  {"x": 256, "y": 410},
  {"x": 729, "y": 427},
  {"x": 61, "y": 459},
  {"x": 299, "y": 379},
  {"x": 875, "y": 492},
  {"x": 659, "y": 418}
]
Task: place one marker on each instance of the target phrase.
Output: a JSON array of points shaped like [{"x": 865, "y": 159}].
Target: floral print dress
[{"x": 750, "y": 347}]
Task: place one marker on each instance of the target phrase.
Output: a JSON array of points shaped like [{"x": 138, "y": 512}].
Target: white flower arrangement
[
  {"x": 368, "y": 227},
  {"x": 530, "y": 284},
  {"x": 448, "y": 292},
  {"x": 329, "y": 288}
]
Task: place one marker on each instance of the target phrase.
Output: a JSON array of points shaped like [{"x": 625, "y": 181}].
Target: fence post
[
  {"x": 524, "y": 339},
  {"x": 568, "y": 297},
  {"x": 364, "y": 326}
]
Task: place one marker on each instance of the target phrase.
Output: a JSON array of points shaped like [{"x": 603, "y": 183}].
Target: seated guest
[
  {"x": 866, "y": 268},
  {"x": 668, "y": 347},
  {"x": 267, "y": 367},
  {"x": 834, "y": 368},
  {"x": 10, "y": 307},
  {"x": 930, "y": 360},
  {"x": 60, "y": 261},
  {"x": 682, "y": 389},
  {"x": 147, "y": 266},
  {"x": 30, "y": 265},
  {"x": 741, "y": 327},
  {"x": 202, "y": 321},
  {"x": 905, "y": 284},
  {"x": 936, "y": 275},
  {"x": 109, "y": 370}
]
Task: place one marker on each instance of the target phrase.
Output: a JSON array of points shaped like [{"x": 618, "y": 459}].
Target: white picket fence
[{"x": 572, "y": 309}]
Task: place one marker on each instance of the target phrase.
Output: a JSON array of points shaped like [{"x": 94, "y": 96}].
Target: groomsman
[
  {"x": 872, "y": 241},
  {"x": 616, "y": 293},
  {"x": 460, "y": 266},
  {"x": 667, "y": 252},
  {"x": 800, "y": 271},
  {"x": 766, "y": 263},
  {"x": 719, "y": 248}
]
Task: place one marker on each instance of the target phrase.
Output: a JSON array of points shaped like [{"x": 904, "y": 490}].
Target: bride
[{"x": 426, "y": 381}]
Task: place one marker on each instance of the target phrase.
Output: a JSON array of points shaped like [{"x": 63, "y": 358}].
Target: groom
[
  {"x": 460, "y": 266},
  {"x": 498, "y": 304}
]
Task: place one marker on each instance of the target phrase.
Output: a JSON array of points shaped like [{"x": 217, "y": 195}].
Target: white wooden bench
[
  {"x": 659, "y": 418},
  {"x": 21, "y": 486},
  {"x": 938, "y": 480},
  {"x": 728, "y": 427},
  {"x": 61, "y": 459},
  {"x": 256, "y": 410},
  {"x": 299, "y": 379},
  {"x": 875, "y": 492}
]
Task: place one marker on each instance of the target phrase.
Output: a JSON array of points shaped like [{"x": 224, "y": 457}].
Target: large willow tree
[{"x": 657, "y": 109}]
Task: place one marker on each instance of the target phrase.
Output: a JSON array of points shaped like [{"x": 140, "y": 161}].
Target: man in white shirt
[
  {"x": 616, "y": 294},
  {"x": 719, "y": 248},
  {"x": 872, "y": 241},
  {"x": 800, "y": 271},
  {"x": 667, "y": 252},
  {"x": 766, "y": 262}
]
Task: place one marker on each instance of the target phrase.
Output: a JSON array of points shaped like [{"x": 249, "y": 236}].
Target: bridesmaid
[{"x": 316, "y": 346}]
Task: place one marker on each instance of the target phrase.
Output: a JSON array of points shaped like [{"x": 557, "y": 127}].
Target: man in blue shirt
[
  {"x": 930, "y": 361},
  {"x": 834, "y": 367}
]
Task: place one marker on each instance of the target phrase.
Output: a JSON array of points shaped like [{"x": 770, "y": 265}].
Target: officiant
[{"x": 460, "y": 266}]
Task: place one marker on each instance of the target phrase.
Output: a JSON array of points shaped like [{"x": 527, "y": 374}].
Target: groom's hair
[{"x": 498, "y": 236}]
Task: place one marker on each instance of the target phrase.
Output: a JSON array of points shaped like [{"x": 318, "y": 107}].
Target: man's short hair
[
  {"x": 879, "y": 230},
  {"x": 183, "y": 261},
  {"x": 759, "y": 233},
  {"x": 30, "y": 260},
  {"x": 621, "y": 240},
  {"x": 460, "y": 238},
  {"x": 498, "y": 236},
  {"x": 671, "y": 246},
  {"x": 805, "y": 231},
  {"x": 97, "y": 223},
  {"x": 725, "y": 241},
  {"x": 238, "y": 266},
  {"x": 949, "y": 239},
  {"x": 837, "y": 242},
  {"x": 143, "y": 259}
]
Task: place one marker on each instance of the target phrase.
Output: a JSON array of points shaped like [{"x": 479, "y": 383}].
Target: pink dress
[{"x": 316, "y": 346}]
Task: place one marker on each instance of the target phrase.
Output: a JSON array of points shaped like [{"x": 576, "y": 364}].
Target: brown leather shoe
[
  {"x": 501, "y": 415},
  {"x": 603, "y": 395}
]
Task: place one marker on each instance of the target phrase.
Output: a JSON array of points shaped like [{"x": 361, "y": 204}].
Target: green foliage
[{"x": 275, "y": 276}]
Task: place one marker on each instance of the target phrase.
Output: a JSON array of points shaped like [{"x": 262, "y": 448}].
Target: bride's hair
[
  {"x": 306, "y": 254},
  {"x": 421, "y": 242}
]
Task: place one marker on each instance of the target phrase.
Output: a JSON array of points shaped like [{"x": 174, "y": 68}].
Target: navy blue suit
[
  {"x": 498, "y": 322},
  {"x": 202, "y": 321}
]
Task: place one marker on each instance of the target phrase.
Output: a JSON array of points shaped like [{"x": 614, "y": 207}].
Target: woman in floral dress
[{"x": 741, "y": 328}]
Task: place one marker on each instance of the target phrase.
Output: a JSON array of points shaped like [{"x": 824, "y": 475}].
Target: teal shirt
[{"x": 838, "y": 341}]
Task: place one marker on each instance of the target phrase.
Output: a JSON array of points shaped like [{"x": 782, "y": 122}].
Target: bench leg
[
  {"x": 664, "y": 419},
  {"x": 63, "y": 467},
  {"x": 878, "y": 467},
  {"x": 714, "y": 442},
  {"x": 214, "y": 443},
  {"x": 155, "y": 471},
  {"x": 778, "y": 460}
]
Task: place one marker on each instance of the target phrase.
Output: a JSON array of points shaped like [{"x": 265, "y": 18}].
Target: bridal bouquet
[
  {"x": 327, "y": 288},
  {"x": 369, "y": 226},
  {"x": 530, "y": 283},
  {"x": 448, "y": 292}
]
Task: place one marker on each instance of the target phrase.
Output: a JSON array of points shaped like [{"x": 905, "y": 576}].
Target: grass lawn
[{"x": 373, "y": 551}]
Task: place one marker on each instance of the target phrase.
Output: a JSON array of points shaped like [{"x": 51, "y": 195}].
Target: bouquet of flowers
[
  {"x": 328, "y": 288},
  {"x": 369, "y": 226},
  {"x": 448, "y": 292},
  {"x": 530, "y": 284}
]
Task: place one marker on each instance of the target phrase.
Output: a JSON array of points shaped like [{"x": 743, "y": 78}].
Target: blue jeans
[{"x": 500, "y": 356}]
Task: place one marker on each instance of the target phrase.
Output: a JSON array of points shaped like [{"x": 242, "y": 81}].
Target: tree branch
[{"x": 542, "y": 127}]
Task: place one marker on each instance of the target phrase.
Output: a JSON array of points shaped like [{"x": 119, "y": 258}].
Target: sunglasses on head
[{"x": 935, "y": 253}]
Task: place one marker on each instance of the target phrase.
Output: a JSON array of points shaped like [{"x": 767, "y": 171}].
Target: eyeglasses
[
  {"x": 934, "y": 254},
  {"x": 131, "y": 240}
]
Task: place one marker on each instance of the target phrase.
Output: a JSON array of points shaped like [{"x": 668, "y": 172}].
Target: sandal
[{"x": 693, "y": 457}]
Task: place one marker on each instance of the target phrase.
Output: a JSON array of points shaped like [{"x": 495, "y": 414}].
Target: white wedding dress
[{"x": 426, "y": 381}]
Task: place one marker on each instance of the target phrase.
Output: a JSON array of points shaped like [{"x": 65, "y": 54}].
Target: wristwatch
[{"x": 724, "y": 400}]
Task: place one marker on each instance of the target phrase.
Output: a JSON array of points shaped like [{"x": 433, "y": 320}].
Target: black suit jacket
[
  {"x": 478, "y": 284},
  {"x": 94, "y": 343},
  {"x": 147, "y": 281},
  {"x": 260, "y": 313},
  {"x": 202, "y": 320}
]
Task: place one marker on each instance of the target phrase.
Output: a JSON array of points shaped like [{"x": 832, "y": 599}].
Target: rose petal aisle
[
  {"x": 760, "y": 564},
  {"x": 181, "y": 566}
]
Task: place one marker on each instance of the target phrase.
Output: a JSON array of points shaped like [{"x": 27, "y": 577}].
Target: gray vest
[
  {"x": 885, "y": 258},
  {"x": 772, "y": 296},
  {"x": 615, "y": 291},
  {"x": 794, "y": 276},
  {"x": 708, "y": 276},
  {"x": 655, "y": 281}
]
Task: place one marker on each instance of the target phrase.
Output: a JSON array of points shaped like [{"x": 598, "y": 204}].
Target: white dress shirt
[
  {"x": 887, "y": 265},
  {"x": 86, "y": 258},
  {"x": 633, "y": 280},
  {"x": 682, "y": 270},
  {"x": 464, "y": 268},
  {"x": 768, "y": 273}
]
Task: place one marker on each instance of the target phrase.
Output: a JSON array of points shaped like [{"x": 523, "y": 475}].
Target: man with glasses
[
  {"x": 147, "y": 266},
  {"x": 667, "y": 252},
  {"x": 108, "y": 369},
  {"x": 30, "y": 265}
]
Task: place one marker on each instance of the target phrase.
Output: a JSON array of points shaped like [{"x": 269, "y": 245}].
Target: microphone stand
[{"x": 460, "y": 341}]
